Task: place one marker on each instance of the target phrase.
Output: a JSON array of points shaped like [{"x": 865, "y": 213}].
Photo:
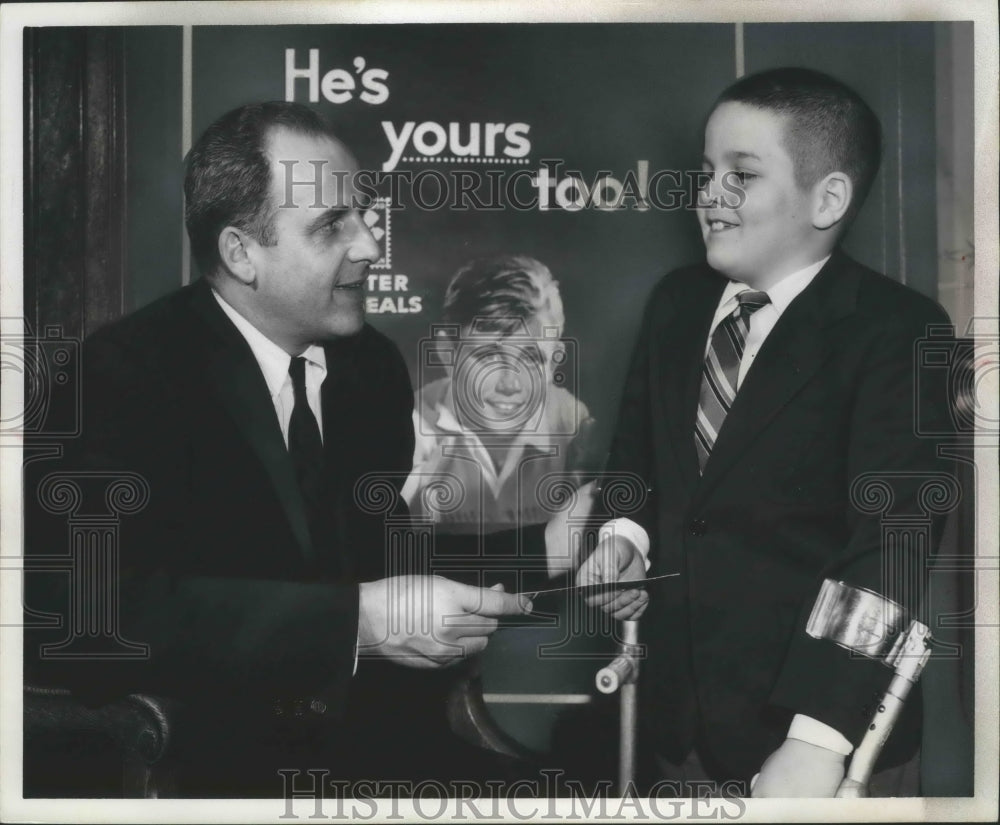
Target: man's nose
[{"x": 364, "y": 246}]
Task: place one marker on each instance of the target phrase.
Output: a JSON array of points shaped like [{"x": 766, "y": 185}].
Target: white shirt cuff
[
  {"x": 806, "y": 729},
  {"x": 627, "y": 529}
]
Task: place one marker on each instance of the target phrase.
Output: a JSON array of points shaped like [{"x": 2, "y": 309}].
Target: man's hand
[
  {"x": 430, "y": 621},
  {"x": 615, "y": 559},
  {"x": 799, "y": 769}
]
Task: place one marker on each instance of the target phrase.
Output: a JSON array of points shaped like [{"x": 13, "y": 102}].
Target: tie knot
[
  {"x": 297, "y": 370},
  {"x": 751, "y": 301}
]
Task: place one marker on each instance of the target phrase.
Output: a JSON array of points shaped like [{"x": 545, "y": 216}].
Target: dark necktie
[
  {"x": 305, "y": 445},
  {"x": 721, "y": 371}
]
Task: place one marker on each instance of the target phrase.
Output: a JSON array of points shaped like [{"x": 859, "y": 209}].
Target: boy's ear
[
  {"x": 832, "y": 198},
  {"x": 233, "y": 252}
]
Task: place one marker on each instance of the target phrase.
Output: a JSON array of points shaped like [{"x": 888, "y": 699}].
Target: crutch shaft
[
  {"x": 629, "y": 710},
  {"x": 859, "y": 771}
]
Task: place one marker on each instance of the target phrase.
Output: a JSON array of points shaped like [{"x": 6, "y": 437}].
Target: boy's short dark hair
[
  {"x": 830, "y": 128},
  {"x": 227, "y": 177},
  {"x": 501, "y": 293}
]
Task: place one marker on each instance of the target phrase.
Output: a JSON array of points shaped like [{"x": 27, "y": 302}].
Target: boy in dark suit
[{"x": 767, "y": 388}]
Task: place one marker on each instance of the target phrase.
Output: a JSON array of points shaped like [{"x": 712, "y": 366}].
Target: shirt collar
[
  {"x": 273, "y": 360},
  {"x": 782, "y": 293}
]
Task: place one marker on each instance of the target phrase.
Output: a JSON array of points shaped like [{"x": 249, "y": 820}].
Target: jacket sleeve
[
  {"x": 241, "y": 638},
  {"x": 898, "y": 491},
  {"x": 631, "y": 454}
]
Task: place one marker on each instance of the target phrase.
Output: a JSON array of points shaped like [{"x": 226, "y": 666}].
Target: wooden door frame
[{"x": 75, "y": 165}]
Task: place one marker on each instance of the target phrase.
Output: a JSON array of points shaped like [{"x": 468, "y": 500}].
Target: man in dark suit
[
  {"x": 767, "y": 386},
  {"x": 251, "y": 404}
]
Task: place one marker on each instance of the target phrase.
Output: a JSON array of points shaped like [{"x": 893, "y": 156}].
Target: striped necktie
[{"x": 720, "y": 374}]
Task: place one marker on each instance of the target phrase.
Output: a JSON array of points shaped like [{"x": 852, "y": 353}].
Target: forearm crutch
[
  {"x": 867, "y": 623},
  {"x": 622, "y": 674}
]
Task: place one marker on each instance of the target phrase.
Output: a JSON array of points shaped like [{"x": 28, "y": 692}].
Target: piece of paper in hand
[{"x": 600, "y": 587}]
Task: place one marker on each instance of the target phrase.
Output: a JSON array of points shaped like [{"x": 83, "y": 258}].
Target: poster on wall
[{"x": 354, "y": 355}]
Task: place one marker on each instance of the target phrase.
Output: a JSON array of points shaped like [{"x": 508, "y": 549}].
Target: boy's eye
[
  {"x": 532, "y": 355},
  {"x": 743, "y": 177},
  {"x": 484, "y": 354}
]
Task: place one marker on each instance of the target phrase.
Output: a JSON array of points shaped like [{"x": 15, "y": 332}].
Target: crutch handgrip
[
  {"x": 619, "y": 672},
  {"x": 873, "y": 626},
  {"x": 622, "y": 674}
]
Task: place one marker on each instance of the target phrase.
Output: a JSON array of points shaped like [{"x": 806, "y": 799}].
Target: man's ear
[
  {"x": 832, "y": 199},
  {"x": 233, "y": 253}
]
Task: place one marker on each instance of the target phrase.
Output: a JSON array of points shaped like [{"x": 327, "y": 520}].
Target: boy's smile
[
  {"x": 498, "y": 385},
  {"x": 770, "y": 233}
]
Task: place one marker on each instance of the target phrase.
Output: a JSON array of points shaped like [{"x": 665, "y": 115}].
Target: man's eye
[{"x": 744, "y": 177}]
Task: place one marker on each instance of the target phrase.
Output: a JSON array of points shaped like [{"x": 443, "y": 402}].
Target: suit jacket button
[
  {"x": 698, "y": 527},
  {"x": 317, "y": 706}
]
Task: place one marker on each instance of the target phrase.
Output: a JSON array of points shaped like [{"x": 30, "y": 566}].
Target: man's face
[
  {"x": 309, "y": 284},
  {"x": 771, "y": 234},
  {"x": 500, "y": 382}
]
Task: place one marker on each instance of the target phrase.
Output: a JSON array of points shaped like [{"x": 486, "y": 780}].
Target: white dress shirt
[
  {"x": 274, "y": 363},
  {"x": 803, "y": 727},
  {"x": 764, "y": 319}
]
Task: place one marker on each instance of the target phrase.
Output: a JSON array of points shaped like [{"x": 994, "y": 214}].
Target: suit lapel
[
  {"x": 236, "y": 379},
  {"x": 339, "y": 400},
  {"x": 678, "y": 356},
  {"x": 795, "y": 350},
  {"x": 339, "y": 385}
]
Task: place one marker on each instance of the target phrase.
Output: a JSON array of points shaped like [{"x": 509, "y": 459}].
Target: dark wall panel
[{"x": 155, "y": 200}]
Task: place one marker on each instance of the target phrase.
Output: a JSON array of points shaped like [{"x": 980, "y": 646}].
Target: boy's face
[
  {"x": 771, "y": 234},
  {"x": 500, "y": 383}
]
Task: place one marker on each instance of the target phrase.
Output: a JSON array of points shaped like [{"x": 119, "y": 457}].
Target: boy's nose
[
  {"x": 509, "y": 383},
  {"x": 711, "y": 192}
]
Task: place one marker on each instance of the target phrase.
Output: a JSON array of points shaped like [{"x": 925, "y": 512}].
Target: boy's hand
[
  {"x": 799, "y": 769},
  {"x": 615, "y": 559}
]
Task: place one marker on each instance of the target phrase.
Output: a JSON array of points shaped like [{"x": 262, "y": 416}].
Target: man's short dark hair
[
  {"x": 500, "y": 293},
  {"x": 830, "y": 128},
  {"x": 228, "y": 177}
]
